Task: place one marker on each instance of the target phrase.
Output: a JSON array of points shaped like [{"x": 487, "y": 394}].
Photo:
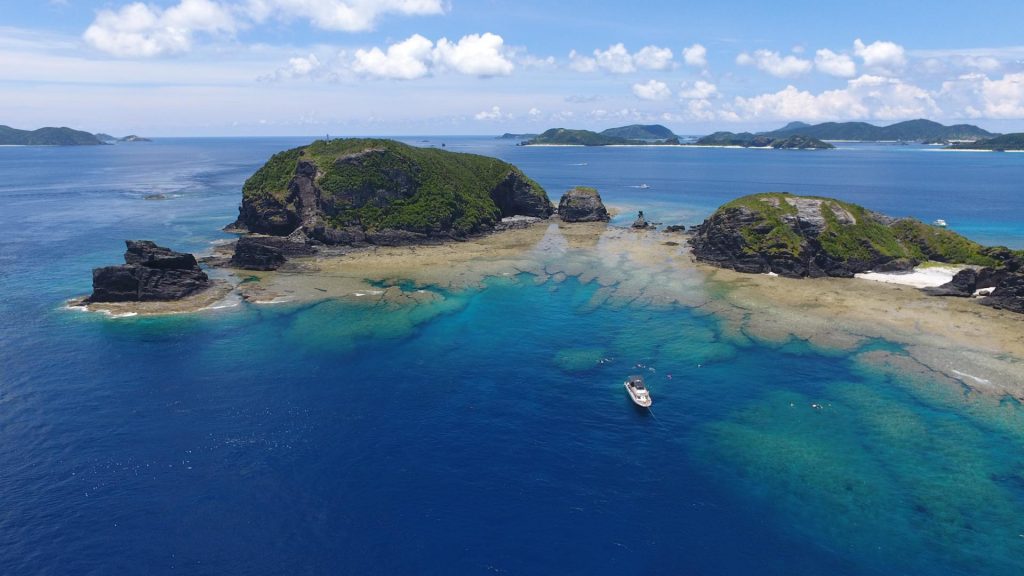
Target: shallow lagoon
[{"x": 481, "y": 429}]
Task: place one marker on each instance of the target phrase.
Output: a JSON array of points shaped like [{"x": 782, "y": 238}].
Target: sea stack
[
  {"x": 150, "y": 273},
  {"x": 582, "y": 204}
]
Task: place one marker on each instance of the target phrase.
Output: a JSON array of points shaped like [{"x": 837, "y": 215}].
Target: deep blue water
[{"x": 478, "y": 436}]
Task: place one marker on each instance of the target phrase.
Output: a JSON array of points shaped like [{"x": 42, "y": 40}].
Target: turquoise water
[{"x": 485, "y": 431}]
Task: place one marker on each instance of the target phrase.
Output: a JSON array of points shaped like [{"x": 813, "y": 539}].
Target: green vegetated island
[
  {"x": 62, "y": 136},
  {"x": 352, "y": 191},
  {"x": 633, "y": 135},
  {"x": 1001, "y": 143},
  {"x": 810, "y": 236}
]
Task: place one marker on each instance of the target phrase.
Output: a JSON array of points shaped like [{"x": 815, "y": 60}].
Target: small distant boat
[
  {"x": 638, "y": 391},
  {"x": 643, "y": 186},
  {"x": 940, "y": 223}
]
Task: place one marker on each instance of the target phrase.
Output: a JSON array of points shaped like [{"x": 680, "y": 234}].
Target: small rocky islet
[{"x": 353, "y": 193}]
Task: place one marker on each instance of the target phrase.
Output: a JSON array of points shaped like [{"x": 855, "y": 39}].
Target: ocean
[{"x": 487, "y": 431}]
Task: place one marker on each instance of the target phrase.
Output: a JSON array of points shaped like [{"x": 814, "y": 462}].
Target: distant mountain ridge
[
  {"x": 48, "y": 136},
  {"x": 638, "y": 135},
  {"x": 911, "y": 130},
  {"x": 748, "y": 140}
]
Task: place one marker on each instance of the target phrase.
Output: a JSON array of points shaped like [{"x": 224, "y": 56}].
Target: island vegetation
[
  {"x": 633, "y": 135},
  {"x": 919, "y": 130},
  {"x": 375, "y": 191},
  {"x": 47, "y": 137},
  {"x": 749, "y": 140},
  {"x": 995, "y": 144}
]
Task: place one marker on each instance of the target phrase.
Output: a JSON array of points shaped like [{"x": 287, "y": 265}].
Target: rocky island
[
  {"x": 804, "y": 236},
  {"x": 47, "y": 137},
  {"x": 748, "y": 140},
  {"x": 582, "y": 204},
  {"x": 149, "y": 273},
  {"x": 633, "y": 135}
]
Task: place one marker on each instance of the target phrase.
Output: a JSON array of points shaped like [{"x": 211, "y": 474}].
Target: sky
[{"x": 409, "y": 67}]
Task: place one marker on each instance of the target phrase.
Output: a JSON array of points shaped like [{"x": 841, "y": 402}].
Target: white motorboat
[
  {"x": 638, "y": 391},
  {"x": 940, "y": 223}
]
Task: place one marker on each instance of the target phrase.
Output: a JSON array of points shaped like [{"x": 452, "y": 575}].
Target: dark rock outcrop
[
  {"x": 963, "y": 285},
  {"x": 675, "y": 228},
  {"x": 582, "y": 204},
  {"x": 150, "y": 272},
  {"x": 256, "y": 252},
  {"x": 1007, "y": 294},
  {"x": 641, "y": 222}
]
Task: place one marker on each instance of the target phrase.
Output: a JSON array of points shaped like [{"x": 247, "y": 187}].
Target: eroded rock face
[
  {"x": 516, "y": 197},
  {"x": 150, "y": 273},
  {"x": 267, "y": 252},
  {"x": 582, "y": 205}
]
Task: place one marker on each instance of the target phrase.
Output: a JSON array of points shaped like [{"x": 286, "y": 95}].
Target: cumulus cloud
[
  {"x": 695, "y": 55},
  {"x": 653, "y": 58},
  {"x": 700, "y": 89},
  {"x": 834, "y": 64},
  {"x": 534, "y": 112},
  {"x": 416, "y": 56},
  {"x": 775, "y": 64},
  {"x": 139, "y": 30},
  {"x": 340, "y": 15},
  {"x": 406, "y": 60},
  {"x": 881, "y": 57},
  {"x": 652, "y": 90},
  {"x": 978, "y": 96},
  {"x": 475, "y": 55},
  {"x": 143, "y": 30},
  {"x": 618, "y": 60},
  {"x": 494, "y": 113},
  {"x": 864, "y": 97},
  {"x": 581, "y": 63}
]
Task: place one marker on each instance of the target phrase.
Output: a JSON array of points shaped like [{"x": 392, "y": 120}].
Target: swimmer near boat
[{"x": 638, "y": 391}]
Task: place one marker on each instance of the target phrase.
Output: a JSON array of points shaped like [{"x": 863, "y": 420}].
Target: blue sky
[{"x": 307, "y": 67}]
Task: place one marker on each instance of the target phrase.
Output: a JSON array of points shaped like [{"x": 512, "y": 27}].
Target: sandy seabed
[{"x": 952, "y": 340}]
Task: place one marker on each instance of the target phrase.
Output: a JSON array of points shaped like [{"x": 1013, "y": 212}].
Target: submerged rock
[
  {"x": 582, "y": 204},
  {"x": 675, "y": 228},
  {"x": 150, "y": 272}
]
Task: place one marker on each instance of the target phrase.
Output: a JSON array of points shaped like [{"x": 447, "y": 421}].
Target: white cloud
[
  {"x": 144, "y": 30},
  {"x": 652, "y": 90},
  {"x": 701, "y": 89},
  {"x": 696, "y": 55},
  {"x": 775, "y": 64},
  {"x": 139, "y": 30},
  {"x": 978, "y": 96},
  {"x": 616, "y": 59},
  {"x": 834, "y": 64},
  {"x": 416, "y": 56},
  {"x": 653, "y": 58},
  {"x": 341, "y": 15},
  {"x": 864, "y": 97},
  {"x": 494, "y": 113},
  {"x": 534, "y": 112},
  {"x": 475, "y": 55},
  {"x": 405, "y": 60},
  {"x": 581, "y": 63},
  {"x": 881, "y": 57}
]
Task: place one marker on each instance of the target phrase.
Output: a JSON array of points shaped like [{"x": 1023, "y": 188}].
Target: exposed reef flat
[{"x": 951, "y": 340}]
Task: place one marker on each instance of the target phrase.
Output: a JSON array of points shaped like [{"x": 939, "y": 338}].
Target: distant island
[
  {"x": 47, "y": 137},
  {"x": 996, "y": 144},
  {"x": 748, "y": 140},
  {"x": 520, "y": 137},
  {"x": 910, "y": 131},
  {"x": 633, "y": 135}
]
